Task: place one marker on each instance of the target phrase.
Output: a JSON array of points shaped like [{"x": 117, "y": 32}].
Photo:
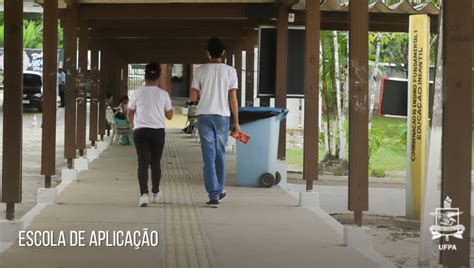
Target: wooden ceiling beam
[
  {"x": 157, "y": 44},
  {"x": 168, "y": 23},
  {"x": 169, "y": 58},
  {"x": 176, "y": 32},
  {"x": 162, "y": 11}
]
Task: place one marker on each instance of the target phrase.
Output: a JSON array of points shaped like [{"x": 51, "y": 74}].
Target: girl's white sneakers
[
  {"x": 143, "y": 202},
  {"x": 155, "y": 198}
]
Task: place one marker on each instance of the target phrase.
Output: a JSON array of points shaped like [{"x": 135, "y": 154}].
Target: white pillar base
[
  {"x": 46, "y": 195},
  {"x": 282, "y": 168},
  {"x": 68, "y": 174},
  {"x": 184, "y": 111},
  {"x": 92, "y": 154},
  {"x": 309, "y": 200},
  {"x": 102, "y": 145},
  {"x": 9, "y": 230},
  {"x": 107, "y": 138},
  {"x": 81, "y": 164},
  {"x": 231, "y": 146},
  {"x": 357, "y": 237}
]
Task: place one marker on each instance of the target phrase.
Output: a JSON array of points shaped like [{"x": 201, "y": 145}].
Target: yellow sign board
[{"x": 418, "y": 101}]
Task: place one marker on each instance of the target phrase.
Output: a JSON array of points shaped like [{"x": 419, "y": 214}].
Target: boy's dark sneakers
[
  {"x": 223, "y": 195},
  {"x": 213, "y": 203}
]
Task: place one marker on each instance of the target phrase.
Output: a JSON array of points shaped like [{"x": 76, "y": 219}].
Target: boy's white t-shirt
[
  {"x": 213, "y": 81},
  {"x": 150, "y": 105}
]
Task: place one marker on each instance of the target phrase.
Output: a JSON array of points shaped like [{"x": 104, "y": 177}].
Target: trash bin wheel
[
  {"x": 277, "y": 178},
  {"x": 267, "y": 180}
]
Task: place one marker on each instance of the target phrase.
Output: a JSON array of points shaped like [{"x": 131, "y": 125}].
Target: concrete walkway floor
[{"x": 254, "y": 227}]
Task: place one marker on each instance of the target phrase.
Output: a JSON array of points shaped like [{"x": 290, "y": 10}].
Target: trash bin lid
[{"x": 251, "y": 114}]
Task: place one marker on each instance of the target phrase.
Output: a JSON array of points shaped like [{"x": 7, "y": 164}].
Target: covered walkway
[
  {"x": 191, "y": 235},
  {"x": 256, "y": 224}
]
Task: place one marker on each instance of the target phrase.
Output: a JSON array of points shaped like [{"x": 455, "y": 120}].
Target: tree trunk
[
  {"x": 327, "y": 133},
  {"x": 374, "y": 80},
  {"x": 334, "y": 127},
  {"x": 340, "y": 114},
  {"x": 345, "y": 100},
  {"x": 433, "y": 167}
]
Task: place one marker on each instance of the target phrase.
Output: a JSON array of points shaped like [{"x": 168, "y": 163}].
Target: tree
[
  {"x": 338, "y": 78},
  {"x": 32, "y": 34},
  {"x": 32, "y": 31}
]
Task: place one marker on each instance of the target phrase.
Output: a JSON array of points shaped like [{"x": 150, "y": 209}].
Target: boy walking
[{"x": 215, "y": 85}]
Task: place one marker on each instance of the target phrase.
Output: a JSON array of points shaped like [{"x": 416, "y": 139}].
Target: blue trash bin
[{"x": 256, "y": 160}]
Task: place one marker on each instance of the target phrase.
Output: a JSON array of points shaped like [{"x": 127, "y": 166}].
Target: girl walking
[{"x": 148, "y": 110}]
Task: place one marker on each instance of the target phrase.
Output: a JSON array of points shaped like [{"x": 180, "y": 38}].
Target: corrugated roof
[{"x": 403, "y": 7}]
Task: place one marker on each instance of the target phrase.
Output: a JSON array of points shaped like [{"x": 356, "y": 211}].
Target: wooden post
[
  {"x": 83, "y": 77},
  {"x": 12, "y": 106},
  {"x": 311, "y": 91},
  {"x": 238, "y": 67},
  {"x": 102, "y": 94},
  {"x": 94, "y": 99},
  {"x": 124, "y": 85},
  {"x": 190, "y": 77},
  {"x": 282, "y": 71},
  {"x": 265, "y": 102},
  {"x": 165, "y": 78},
  {"x": 229, "y": 56},
  {"x": 50, "y": 70},
  {"x": 70, "y": 66},
  {"x": 358, "y": 109},
  {"x": 114, "y": 77},
  {"x": 457, "y": 132},
  {"x": 250, "y": 61}
]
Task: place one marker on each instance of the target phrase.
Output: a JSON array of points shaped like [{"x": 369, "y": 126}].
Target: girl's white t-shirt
[
  {"x": 150, "y": 105},
  {"x": 213, "y": 81}
]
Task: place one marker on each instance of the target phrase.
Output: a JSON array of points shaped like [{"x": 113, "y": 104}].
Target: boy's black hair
[
  {"x": 152, "y": 71},
  {"x": 215, "y": 47}
]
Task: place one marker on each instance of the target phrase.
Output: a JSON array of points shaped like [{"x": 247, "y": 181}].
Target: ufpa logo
[{"x": 447, "y": 224}]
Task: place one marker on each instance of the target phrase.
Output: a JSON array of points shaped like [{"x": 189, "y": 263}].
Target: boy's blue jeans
[{"x": 214, "y": 132}]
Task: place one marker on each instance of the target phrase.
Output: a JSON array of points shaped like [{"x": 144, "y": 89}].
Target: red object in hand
[{"x": 242, "y": 137}]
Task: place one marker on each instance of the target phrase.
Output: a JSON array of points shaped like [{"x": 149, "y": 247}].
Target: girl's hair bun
[{"x": 152, "y": 71}]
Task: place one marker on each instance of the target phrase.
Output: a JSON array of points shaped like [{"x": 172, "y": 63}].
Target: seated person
[{"x": 120, "y": 116}]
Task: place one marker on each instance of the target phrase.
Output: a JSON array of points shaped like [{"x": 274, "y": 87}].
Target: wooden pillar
[
  {"x": 456, "y": 176},
  {"x": 238, "y": 67},
  {"x": 82, "y": 90},
  {"x": 12, "y": 106},
  {"x": 165, "y": 78},
  {"x": 70, "y": 67},
  {"x": 50, "y": 70},
  {"x": 358, "y": 109},
  {"x": 249, "y": 70},
  {"x": 311, "y": 92},
  {"x": 190, "y": 78},
  {"x": 282, "y": 71},
  {"x": 124, "y": 85},
  {"x": 102, "y": 94},
  {"x": 94, "y": 97},
  {"x": 228, "y": 57},
  {"x": 265, "y": 102},
  {"x": 115, "y": 78}
]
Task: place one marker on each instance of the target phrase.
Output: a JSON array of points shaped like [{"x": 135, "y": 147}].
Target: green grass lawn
[
  {"x": 295, "y": 156},
  {"x": 390, "y": 157}
]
